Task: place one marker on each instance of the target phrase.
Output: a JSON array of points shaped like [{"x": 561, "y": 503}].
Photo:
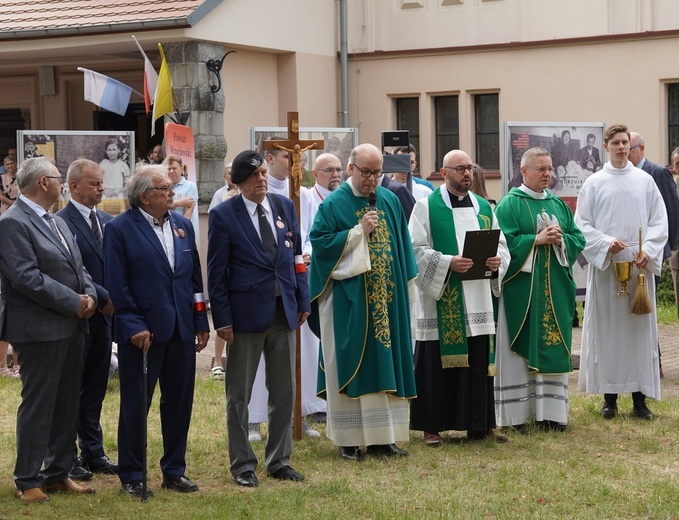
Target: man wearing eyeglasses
[
  {"x": 154, "y": 279},
  {"x": 454, "y": 321},
  {"x": 47, "y": 297},
  {"x": 668, "y": 190},
  {"x": 360, "y": 272},
  {"x": 538, "y": 295}
]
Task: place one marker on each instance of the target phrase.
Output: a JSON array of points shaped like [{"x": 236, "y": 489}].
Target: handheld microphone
[{"x": 372, "y": 201}]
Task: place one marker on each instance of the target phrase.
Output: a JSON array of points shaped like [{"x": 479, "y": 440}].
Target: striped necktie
[{"x": 95, "y": 227}]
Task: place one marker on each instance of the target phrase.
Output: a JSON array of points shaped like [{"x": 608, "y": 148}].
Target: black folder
[{"x": 479, "y": 246}]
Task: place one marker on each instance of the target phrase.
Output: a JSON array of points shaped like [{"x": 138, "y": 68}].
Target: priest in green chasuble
[
  {"x": 454, "y": 319},
  {"x": 538, "y": 300},
  {"x": 360, "y": 276}
]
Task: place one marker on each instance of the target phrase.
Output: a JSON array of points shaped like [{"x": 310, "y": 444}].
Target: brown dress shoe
[
  {"x": 432, "y": 439},
  {"x": 69, "y": 486},
  {"x": 30, "y": 496}
]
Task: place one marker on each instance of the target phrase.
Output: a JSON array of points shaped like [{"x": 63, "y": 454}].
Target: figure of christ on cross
[
  {"x": 296, "y": 172},
  {"x": 293, "y": 145}
]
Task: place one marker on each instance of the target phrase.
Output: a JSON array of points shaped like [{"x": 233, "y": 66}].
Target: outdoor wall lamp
[{"x": 215, "y": 66}]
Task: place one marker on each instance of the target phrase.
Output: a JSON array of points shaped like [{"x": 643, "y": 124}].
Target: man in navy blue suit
[
  {"x": 258, "y": 299},
  {"x": 665, "y": 183},
  {"x": 154, "y": 278},
  {"x": 668, "y": 189},
  {"x": 86, "y": 184}
]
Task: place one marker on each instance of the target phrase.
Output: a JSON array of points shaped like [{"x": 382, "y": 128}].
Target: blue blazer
[
  {"x": 146, "y": 293},
  {"x": 242, "y": 277},
  {"x": 403, "y": 194},
  {"x": 668, "y": 189},
  {"x": 92, "y": 255}
]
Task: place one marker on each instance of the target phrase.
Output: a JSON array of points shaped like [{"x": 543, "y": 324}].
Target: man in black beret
[{"x": 258, "y": 299}]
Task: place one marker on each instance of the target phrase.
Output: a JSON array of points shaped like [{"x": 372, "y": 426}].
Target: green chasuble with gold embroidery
[
  {"x": 371, "y": 311},
  {"x": 539, "y": 304}
]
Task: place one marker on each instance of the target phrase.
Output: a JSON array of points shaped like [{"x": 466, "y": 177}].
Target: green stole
[{"x": 450, "y": 307}]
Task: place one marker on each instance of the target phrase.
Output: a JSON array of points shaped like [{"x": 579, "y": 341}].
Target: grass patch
[{"x": 623, "y": 468}]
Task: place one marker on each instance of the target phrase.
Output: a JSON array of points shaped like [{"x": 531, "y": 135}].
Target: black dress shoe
[
  {"x": 351, "y": 453},
  {"x": 180, "y": 484},
  {"x": 475, "y": 435},
  {"x": 135, "y": 489},
  {"x": 286, "y": 473},
  {"x": 609, "y": 410},
  {"x": 247, "y": 479},
  {"x": 520, "y": 428},
  {"x": 386, "y": 450},
  {"x": 642, "y": 412},
  {"x": 552, "y": 426},
  {"x": 101, "y": 464},
  {"x": 78, "y": 472}
]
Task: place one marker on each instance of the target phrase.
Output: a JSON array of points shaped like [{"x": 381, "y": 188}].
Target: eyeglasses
[
  {"x": 461, "y": 169},
  {"x": 54, "y": 177},
  {"x": 544, "y": 169},
  {"x": 633, "y": 147},
  {"x": 166, "y": 189},
  {"x": 330, "y": 171},
  {"x": 365, "y": 172}
]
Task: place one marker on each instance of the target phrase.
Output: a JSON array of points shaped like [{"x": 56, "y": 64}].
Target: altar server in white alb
[{"x": 620, "y": 349}]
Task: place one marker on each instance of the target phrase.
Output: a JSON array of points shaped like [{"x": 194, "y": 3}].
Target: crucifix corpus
[{"x": 295, "y": 147}]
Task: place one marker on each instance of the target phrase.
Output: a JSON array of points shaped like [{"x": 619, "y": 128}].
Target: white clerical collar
[
  {"x": 354, "y": 190},
  {"x": 278, "y": 186},
  {"x": 532, "y": 193}
]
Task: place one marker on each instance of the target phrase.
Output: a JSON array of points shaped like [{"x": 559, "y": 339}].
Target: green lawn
[{"x": 622, "y": 468}]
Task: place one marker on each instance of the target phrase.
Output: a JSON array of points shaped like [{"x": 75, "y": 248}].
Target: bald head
[
  {"x": 364, "y": 150},
  {"x": 328, "y": 171},
  {"x": 637, "y": 148},
  {"x": 365, "y": 168},
  {"x": 458, "y": 183}
]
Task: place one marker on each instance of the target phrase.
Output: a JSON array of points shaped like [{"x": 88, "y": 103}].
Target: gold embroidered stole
[{"x": 450, "y": 308}]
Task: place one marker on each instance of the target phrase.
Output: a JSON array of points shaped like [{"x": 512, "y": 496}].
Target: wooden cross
[{"x": 295, "y": 147}]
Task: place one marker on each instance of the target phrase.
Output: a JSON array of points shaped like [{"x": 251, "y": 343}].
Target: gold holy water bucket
[{"x": 623, "y": 274}]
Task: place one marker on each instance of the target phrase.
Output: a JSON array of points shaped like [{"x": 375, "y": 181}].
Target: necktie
[
  {"x": 266, "y": 234},
  {"x": 95, "y": 228},
  {"x": 53, "y": 225}
]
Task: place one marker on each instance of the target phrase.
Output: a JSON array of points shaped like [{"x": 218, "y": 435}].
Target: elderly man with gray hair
[
  {"x": 47, "y": 296},
  {"x": 153, "y": 274}
]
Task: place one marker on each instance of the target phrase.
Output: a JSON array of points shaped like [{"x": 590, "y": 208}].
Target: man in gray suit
[{"x": 47, "y": 296}]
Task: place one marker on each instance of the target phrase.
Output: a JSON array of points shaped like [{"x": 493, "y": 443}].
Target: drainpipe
[{"x": 343, "y": 64}]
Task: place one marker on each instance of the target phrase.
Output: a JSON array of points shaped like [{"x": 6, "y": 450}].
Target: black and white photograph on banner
[
  {"x": 577, "y": 152},
  {"x": 113, "y": 151},
  {"x": 576, "y": 148}
]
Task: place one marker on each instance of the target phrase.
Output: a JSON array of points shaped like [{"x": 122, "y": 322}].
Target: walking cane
[{"x": 144, "y": 425}]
